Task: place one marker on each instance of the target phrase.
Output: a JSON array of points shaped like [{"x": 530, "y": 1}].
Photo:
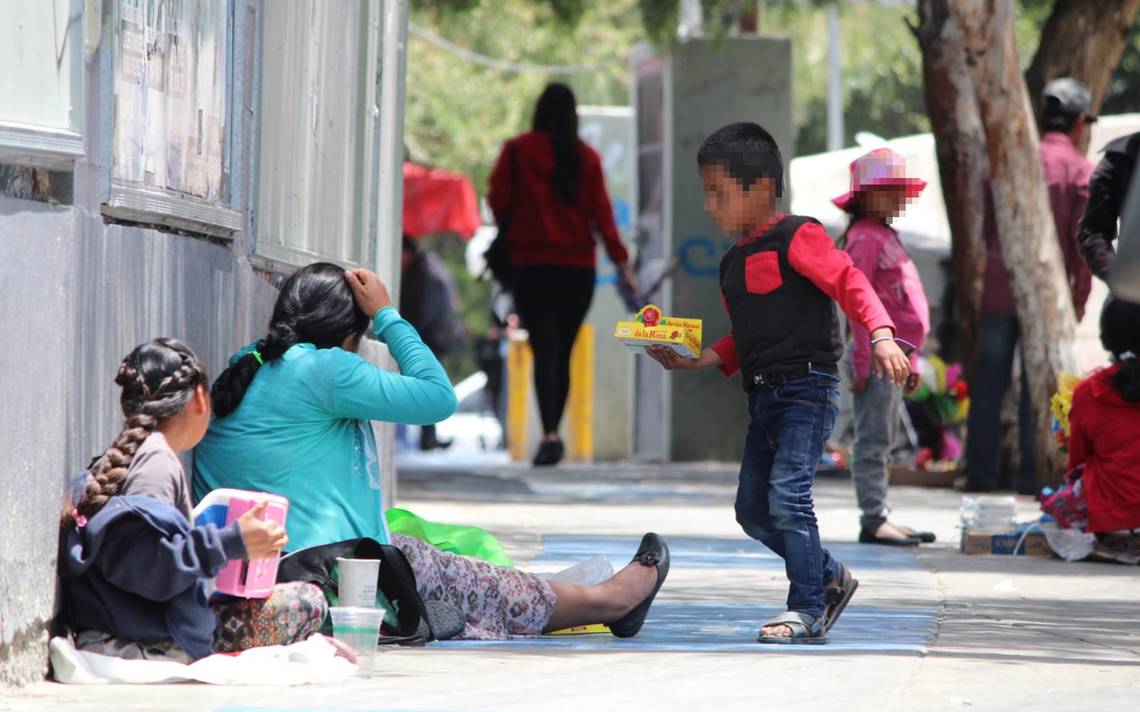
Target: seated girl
[
  {"x": 133, "y": 569},
  {"x": 292, "y": 417},
  {"x": 1104, "y": 425}
]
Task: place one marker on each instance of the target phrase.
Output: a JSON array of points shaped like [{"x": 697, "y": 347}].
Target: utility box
[{"x": 679, "y": 100}]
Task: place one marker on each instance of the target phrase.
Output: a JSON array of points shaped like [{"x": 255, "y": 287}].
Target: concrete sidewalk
[{"x": 928, "y": 630}]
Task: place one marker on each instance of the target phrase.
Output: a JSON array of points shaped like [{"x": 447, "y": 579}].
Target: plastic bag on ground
[
  {"x": 453, "y": 538},
  {"x": 1069, "y": 544},
  {"x": 591, "y": 571}
]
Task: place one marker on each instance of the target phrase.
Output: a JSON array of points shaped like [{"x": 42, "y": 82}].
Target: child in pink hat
[{"x": 880, "y": 191}]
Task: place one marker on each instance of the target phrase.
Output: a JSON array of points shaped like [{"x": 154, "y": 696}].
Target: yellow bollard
[
  {"x": 520, "y": 366},
  {"x": 580, "y": 405}
]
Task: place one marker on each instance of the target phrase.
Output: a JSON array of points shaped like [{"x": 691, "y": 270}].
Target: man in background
[{"x": 1064, "y": 122}]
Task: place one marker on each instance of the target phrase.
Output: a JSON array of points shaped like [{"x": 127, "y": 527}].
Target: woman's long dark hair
[
  {"x": 1120, "y": 334},
  {"x": 316, "y": 306},
  {"x": 556, "y": 113},
  {"x": 158, "y": 380}
]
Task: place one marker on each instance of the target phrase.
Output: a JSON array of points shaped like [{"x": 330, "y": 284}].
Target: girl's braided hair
[{"x": 158, "y": 380}]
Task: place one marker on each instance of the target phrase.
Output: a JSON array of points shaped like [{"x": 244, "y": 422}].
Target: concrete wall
[{"x": 714, "y": 83}]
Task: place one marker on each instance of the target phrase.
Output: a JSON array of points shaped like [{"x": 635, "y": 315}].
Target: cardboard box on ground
[{"x": 978, "y": 543}]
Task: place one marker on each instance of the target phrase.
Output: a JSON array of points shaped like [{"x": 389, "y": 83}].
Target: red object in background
[{"x": 437, "y": 201}]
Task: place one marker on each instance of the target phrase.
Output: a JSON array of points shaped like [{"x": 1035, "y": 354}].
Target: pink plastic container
[{"x": 222, "y": 507}]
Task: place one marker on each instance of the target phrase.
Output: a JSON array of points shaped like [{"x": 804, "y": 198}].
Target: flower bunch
[
  {"x": 943, "y": 390},
  {"x": 1061, "y": 404}
]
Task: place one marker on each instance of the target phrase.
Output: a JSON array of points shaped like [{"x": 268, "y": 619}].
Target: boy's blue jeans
[{"x": 789, "y": 428}]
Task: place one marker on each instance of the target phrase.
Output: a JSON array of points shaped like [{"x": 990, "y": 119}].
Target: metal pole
[
  {"x": 390, "y": 203},
  {"x": 835, "y": 131},
  {"x": 390, "y": 186}
]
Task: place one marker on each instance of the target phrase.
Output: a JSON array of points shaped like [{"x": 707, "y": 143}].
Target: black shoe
[
  {"x": 652, "y": 552},
  {"x": 867, "y": 536},
  {"x": 920, "y": 537},
  {"x": 549, "y": 453}
]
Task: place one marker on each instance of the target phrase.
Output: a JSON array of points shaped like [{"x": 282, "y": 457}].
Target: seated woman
[
  {"x": 1104, "y": 427},
  {"x": 133, "y": 569},
  {"x": 291, "y": 417}
]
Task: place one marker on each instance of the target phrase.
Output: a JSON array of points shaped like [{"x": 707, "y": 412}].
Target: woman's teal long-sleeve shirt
[{"x": 302, "y": 431}]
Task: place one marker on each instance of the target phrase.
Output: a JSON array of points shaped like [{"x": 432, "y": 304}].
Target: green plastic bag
[{"x": 452, "y": 538}]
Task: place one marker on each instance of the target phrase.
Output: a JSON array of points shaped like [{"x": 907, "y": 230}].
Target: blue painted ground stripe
[
  {"x": 707, "y": 552},
  {"x": 732, "y": 628}
]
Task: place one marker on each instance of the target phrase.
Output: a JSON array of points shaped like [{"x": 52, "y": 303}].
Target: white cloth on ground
[{"x": 313, "y": 661}]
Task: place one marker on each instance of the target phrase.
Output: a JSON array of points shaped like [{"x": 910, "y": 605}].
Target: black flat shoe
[
  {"x": 922, "y": 537},
  {"x": 549, "y": 453},
  {"x": 652, "y": 552},
  {"x": 866, "y": 536}
]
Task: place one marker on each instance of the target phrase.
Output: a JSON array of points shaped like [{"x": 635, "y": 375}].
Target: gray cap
[{"x": 1067, "y": 96}]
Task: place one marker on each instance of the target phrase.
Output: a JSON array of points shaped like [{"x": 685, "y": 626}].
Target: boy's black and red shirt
[{"x": 780, "y": 286}]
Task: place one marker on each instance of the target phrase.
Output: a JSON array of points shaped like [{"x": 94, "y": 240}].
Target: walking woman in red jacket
[{"x": 548, "y": 194}]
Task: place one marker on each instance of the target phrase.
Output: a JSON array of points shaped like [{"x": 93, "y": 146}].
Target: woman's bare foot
[
  {"x": 628, "y": 587},
  {"x": 577, "y": 604},
  {"x": 887, "y": 530}
]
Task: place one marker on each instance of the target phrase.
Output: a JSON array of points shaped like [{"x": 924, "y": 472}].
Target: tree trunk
[
  {"x": 960, "y": 143},
  {"x": 1024, "y": 218},
  {"x": 1082, "y": 39}
]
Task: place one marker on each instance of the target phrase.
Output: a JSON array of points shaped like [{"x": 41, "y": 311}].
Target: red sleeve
[
  {"x": 1080, "y": 446},
  {"x": 602, "y": 212},
  {"x": 814, "y": 255},
  {"x": 499, "y": 184},
  {"x": 725, "y": 347}
]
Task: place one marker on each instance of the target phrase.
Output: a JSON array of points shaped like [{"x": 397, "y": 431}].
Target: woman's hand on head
[
  {"x": 263, "y": 538},
  {"x": 371, "y": 294}
]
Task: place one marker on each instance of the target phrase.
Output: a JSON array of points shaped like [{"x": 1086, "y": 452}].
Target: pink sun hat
[{"x": 881, "y": 166}]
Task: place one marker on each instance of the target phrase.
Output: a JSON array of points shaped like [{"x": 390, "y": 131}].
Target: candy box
[
  {"x": 222, "y": 507},
  {"x": 650, "y": 328}
]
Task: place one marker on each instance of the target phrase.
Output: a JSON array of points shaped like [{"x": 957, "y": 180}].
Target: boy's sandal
[
  {"x": 837, "y": 595},
  {"x": 924, "y": 537},
  {"x": 805, "y": 630},
  {"x": 652, "y": 552}
]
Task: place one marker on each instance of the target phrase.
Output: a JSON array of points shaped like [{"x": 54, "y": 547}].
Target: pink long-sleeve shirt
[{"x": 877, "y": 252}]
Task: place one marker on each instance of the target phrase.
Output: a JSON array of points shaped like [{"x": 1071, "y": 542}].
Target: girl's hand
[
  {"x": 859, "y": 384},
  {"x": 263, "y": 538},
  {"x": 371, "y": 294},
  {"x": 890, "y": 362}
]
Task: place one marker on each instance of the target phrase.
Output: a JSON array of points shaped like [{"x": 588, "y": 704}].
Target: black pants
[{"x": 552, "y": 303}]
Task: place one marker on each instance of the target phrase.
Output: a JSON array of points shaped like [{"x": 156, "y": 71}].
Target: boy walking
[{"x": 779, "y": 284}]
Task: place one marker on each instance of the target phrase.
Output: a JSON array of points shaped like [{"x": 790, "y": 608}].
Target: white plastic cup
[
  {"x": 359, "y": 628},
  {"x": 357, "y": 579}
]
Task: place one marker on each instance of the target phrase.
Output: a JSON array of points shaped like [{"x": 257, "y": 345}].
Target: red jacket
[
  {"x": 542, "y": 228},
  {"x": 1105, "y": 437}
]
